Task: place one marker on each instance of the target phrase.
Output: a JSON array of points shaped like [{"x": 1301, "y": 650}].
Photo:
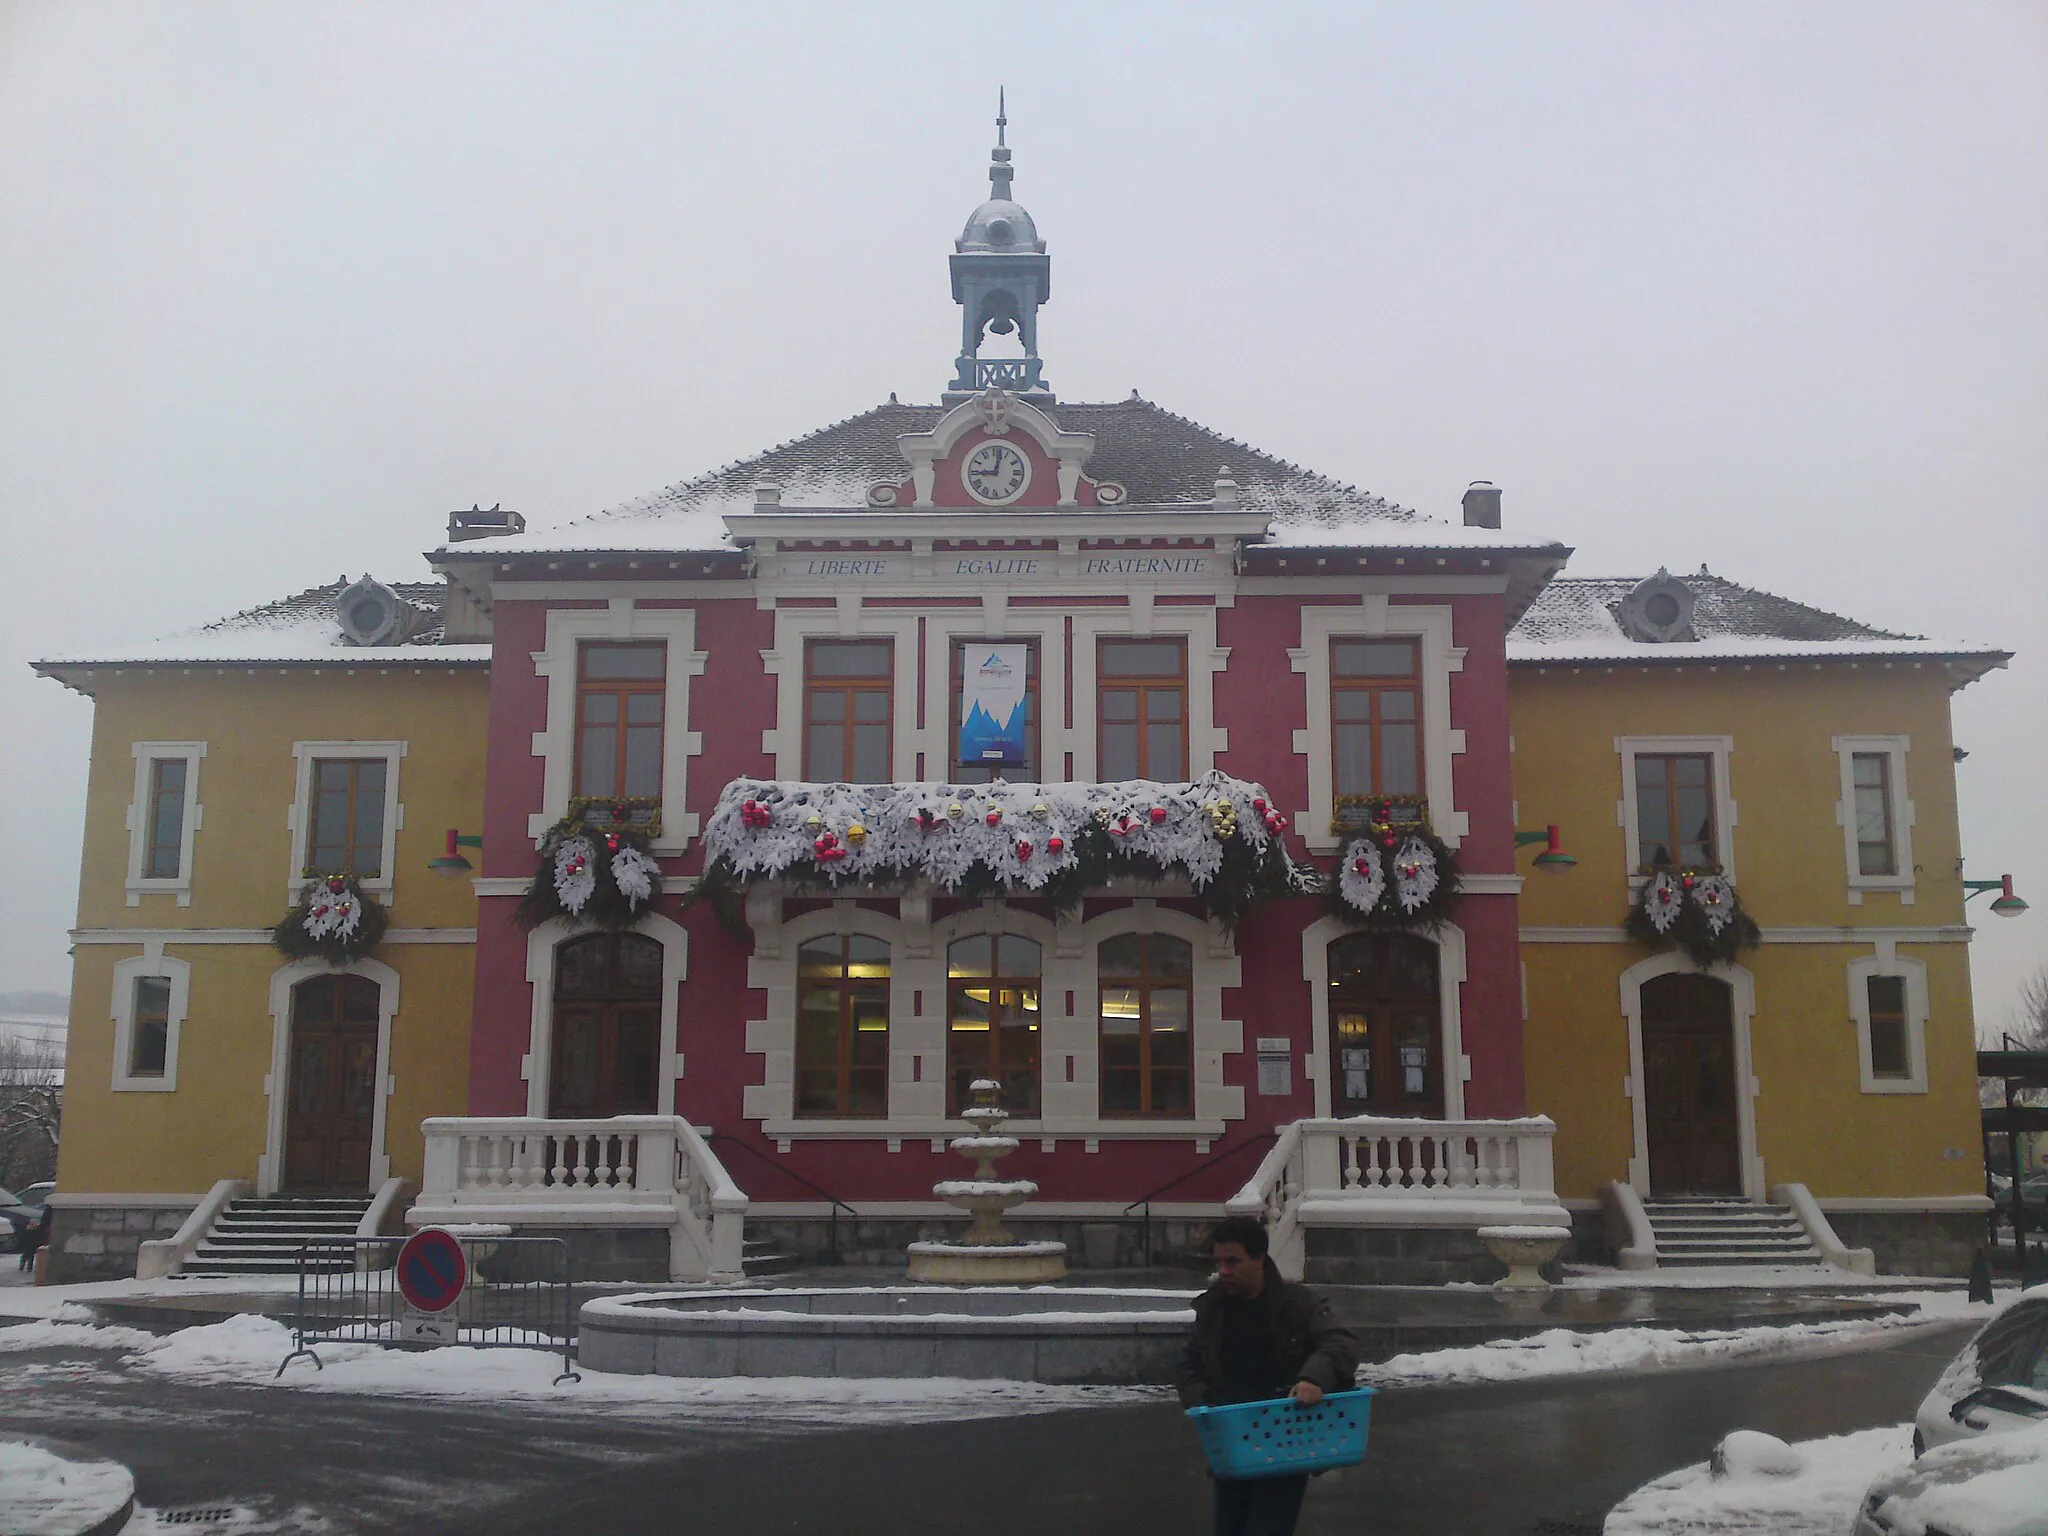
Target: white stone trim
[
  {"x": 1373, "y": 617},
  {"x": 1956, "y": 933},
  {"x": 1887, "y": 961},
  {"x": 63, "y": 1200},
  {"x": 1449, "y": 939},
  {"x": 772, "y": 969},
  {"x": 541, "y": 944},
  {"x": 620, "y": 619},
  {"x": 299, "y": 819},
  {"x": 1217, "y": 967},
  {"x": 1717, "y": 748},
  {"x": 1893, "y": 748},
  {"x": 1068, "y": 450},
  {"x": 1143, "y": 620},
  {"x": 151, "y": 962},
  {"x": 147, "y": 755},
  {"x": 1972, "y": 1205},
  {"x": 1742, "y": 1008},
  {"x": 160, "y": 936},
  {"x": 277, "y": 1081}
]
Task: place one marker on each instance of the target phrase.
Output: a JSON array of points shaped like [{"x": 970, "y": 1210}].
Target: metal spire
[
  {"x": 1000, "y": 172},
  {"x": 1002, "y": 122}
]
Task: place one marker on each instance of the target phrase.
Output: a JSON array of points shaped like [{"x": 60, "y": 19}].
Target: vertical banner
[{"x": 992, "y": 704}]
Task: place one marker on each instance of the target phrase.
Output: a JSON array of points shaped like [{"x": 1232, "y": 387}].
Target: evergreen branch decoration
[
  {"x": 1397, "y": 875},
  {"x": 596, "y": 868},
  {"x": 334, "y": 918},
  {"x": 1694, "y": 910}
]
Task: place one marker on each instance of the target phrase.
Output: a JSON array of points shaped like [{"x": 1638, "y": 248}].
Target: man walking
[{"x": 1259, "y": 1336}]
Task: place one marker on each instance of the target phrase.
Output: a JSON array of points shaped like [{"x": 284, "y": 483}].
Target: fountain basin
[
  {"x": 987, "y": 1263},
  {"x": 1070, "y": 1336}
]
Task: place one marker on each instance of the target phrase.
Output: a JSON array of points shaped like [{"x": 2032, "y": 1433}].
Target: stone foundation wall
[
  {"x": 1402, "y": 1256},
  {"x": 99, "y": 1242},
  {"x": 1913, "y": 1242},
  {"x": 595, "y": 1253},
  {"x": 1176, "y": 1242}
]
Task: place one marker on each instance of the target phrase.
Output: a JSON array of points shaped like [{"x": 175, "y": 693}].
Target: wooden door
[
  {"x": 1385, "y": 1027},
  {"x": 331, "y": 1112},
  {"x": 607, "y": 1027},
  {"x": 1689, "y": 1086}
]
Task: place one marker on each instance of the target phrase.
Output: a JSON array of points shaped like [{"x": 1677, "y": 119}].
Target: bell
[{"x": 1002, "y": 326}]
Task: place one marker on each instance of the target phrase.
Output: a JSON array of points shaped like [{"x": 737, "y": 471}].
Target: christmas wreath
[
  {"x": 1695, "y": 909},
  {"x": 1396, "y": 874},
  {"x": 334, "y": 918},
  {"x": 596, "y": 867},
  {"x": 1054, "y": 841}
]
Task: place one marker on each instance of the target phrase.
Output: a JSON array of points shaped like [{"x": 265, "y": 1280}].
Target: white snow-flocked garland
[
  {"x": 634, "y": 873},
  {"x": 1363, "y": 879},
  {"x": 1415, "y": 874},
  {"x": 575, "y": 872},
  {"x": 1662, "y": 898},
  {"x": 1024, "y": 833},
  {"x": 1716, "y": 898},
  {"x": 334, "y": 914}
]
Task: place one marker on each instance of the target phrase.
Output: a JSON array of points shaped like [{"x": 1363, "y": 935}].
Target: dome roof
[{"x": 1000, "y": 225}]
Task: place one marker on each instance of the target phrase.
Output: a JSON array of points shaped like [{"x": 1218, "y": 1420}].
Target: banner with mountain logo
[{"x": 992, "y": 715}]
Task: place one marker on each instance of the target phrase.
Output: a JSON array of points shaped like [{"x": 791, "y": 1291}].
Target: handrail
[
  {"x": 1209, "y": 1162},
  {"x": 832, "y": 1254}
]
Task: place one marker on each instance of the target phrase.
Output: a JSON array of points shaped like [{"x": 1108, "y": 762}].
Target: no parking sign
[{"x": 431, "y": 1274}]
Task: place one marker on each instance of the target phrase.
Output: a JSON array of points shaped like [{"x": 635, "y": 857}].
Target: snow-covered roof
[
  {"x": 1161, "y": 459},
  {"x": 298, "y": 630},
  {"x": 1577, "y": 619}
]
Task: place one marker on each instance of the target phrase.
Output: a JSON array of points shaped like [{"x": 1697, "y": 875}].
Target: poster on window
[{"x": 992, "y": 705}]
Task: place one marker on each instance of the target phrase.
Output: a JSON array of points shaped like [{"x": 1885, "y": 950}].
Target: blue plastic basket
[{"x": 1279, "y": 1437}]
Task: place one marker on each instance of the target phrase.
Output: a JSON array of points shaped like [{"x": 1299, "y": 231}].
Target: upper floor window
[
  {"x": 1376, "y": 716},
  {"x": 164, "y": 847},
  {"x": 847, "y": 720},
  {"x": 1675, "y": 811},
  {"x": 971, "y": 769},
  {"x": 842, "y": 1026},
  {"x": 347, "y": 831},
  {"x": 1141, "y": 699},
  {"x": 149, "y": 1031},
  {"x": 1147, "y": 1065},
  {"x": 621, "y": 692},
  {"x": 992, "y": 1016},
  {"x": 1876, "y": 840}
]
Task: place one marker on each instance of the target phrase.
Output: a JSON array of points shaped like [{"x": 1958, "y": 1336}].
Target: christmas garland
[
  {"x": 1053, "y": 841},
  {"x": 1695, "y": 909},
  {"x": 334, "y": 918},
  {"x": 598, "y": 869},
  {"x": 1396, "y": 875}
]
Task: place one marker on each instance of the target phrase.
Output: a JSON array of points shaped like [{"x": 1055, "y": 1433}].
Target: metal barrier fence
[{"x": 521, "y": 1294}]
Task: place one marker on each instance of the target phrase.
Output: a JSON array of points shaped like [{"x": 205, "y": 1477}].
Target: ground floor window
[
  {"x": 992, "y": 1018},
  {"x": 1146, "y": 1025},
  {"x": 842, "y": 1026}
]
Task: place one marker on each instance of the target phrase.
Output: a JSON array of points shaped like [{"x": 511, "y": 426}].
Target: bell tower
[{"x": 1001, "y": 275}]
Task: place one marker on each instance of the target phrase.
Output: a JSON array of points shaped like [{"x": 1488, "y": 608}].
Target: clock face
[{"x": 995, "y": 474}]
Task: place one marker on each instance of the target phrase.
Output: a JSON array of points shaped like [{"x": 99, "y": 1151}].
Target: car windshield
[{"x": 8, "y": 1197}]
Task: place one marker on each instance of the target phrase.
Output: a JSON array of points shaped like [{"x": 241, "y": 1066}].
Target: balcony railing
[
  {"x": 631, "y": 1170},
  {"x": 1368, "y": 1172}
]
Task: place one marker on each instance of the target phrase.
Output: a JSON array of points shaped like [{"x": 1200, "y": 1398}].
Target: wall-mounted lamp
[
  {"x": 1553, "y": 858},
  {"x": 452, "y": 863},
  {"x": 2004, "y": 904}
]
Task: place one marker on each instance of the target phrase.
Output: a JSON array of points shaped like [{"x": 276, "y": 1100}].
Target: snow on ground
[
  {"x": 46, "y": 1495},
  {"x": 1562, "y": 1352},
  {"x": 1723, "y": 1277},
  {"x": 1819, "y": 1501}
]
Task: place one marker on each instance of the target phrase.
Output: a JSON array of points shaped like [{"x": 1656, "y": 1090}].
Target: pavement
[{"x": 1500, "y": 1460}]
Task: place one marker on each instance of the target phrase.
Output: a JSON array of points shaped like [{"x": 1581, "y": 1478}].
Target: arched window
[
  {"x": 1384, "y": 1023},
  {"x": 842, "y": 1026},
  {"x": 1148, "y": 1054},
  {"x": 992, "y": 1013},
  {"x": 607, "y": 1045}
]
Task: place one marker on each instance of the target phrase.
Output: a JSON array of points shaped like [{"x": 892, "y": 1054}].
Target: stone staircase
[
  {"x": 761, "y": 1256},
  {"x": 1696, "y": 1231},
  {"x": 263, "y": 1236}
]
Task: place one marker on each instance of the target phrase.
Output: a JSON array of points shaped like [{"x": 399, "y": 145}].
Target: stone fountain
[{"x": 986, "y": 1254}]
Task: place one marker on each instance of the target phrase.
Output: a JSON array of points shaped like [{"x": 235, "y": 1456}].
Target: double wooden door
[
  {"x": 1695, "y": 1141},
  {"x": 1385, "y": 1025},
  {"x": 607, "y": 1027},
  {"x": 331, "y": 1112}
]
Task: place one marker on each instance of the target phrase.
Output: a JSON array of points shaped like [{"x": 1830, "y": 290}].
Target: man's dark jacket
[{"x": 1309, "y": 1344}]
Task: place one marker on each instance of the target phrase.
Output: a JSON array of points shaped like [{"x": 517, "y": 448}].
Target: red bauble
[
  {"x": 1055, "y": 844},
  {"x": 994, "y": 818},
  {"x": 335, "y": 883},
  {"x": 1023, "y": 851},
  {"x": 1157, "y": 813},
  {"x": 1258, "y": 805}
]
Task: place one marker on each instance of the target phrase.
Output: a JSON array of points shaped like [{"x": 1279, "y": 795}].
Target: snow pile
[
  {"x": 1021, "y": 834},
  {"x": 1993, "y": 1486},
  {"x": 45, "y": 1495},
  {"x": 72, "y": 1328},
  {"x": 1821, "y": 1500}
]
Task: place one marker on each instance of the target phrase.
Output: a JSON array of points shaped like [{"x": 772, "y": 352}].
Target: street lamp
[
  {"x": 1553, "y": 859},
  {"x": 451, "y": 863},
  {"x": 2004, "y": 904}
]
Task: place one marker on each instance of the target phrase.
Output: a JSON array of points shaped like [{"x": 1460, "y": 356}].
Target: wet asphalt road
[{"x": 1449, "y": 1461}]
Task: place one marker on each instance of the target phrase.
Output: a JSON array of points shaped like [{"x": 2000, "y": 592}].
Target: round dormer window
[
  {"x": 368, "y": 616},
  {"x": 370, "y": 613},
  {"x": 1662, "y": 610},
  {"x": 1657, "y": 611}
]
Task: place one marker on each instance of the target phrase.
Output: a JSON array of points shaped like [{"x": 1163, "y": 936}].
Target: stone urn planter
[{"x": 1525, "y": 1250}]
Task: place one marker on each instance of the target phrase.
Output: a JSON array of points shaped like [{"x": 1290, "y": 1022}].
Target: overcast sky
[{"x": 1755, "y": 285}]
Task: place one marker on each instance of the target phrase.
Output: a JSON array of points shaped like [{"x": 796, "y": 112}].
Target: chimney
[
  {"x": 476, "y": 523},
  {"x": 1223, "y": 495},
  {"x": 1482, "y": 504}
]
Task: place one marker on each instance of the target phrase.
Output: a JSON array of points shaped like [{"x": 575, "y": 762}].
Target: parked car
[
  {"x": 2033, "y": 1199},
  {"x": 1995, "y": 1486},
  {"x": 36, "y": 1196},
  {"x": 16, "y": 1214},
  {"x": 1997, "y": 1385}
]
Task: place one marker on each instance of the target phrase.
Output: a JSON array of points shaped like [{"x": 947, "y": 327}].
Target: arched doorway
[
  {"x": 1690, "y": 1112},
  {"x": 1385, "y": 1023},
  {"x": 607, "y": 1027},
  {"x": 330, "y": 1117}
]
